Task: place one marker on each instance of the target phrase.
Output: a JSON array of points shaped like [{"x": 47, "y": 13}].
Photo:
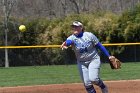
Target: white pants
[{"x": 89, "y": 71}]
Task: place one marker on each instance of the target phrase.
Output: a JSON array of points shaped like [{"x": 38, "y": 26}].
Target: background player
[{"x": 85, "y": 46}]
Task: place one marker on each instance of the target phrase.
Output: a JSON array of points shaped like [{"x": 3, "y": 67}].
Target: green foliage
[
  {"x": 107, "y": 26},
  {"x": 129, "y": 24},
  {"x": 132, "y": 32},
  {"x": 127, "y": 29}
]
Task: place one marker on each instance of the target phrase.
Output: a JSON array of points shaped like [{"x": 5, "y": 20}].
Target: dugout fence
[{"x": 53, "y": 55}]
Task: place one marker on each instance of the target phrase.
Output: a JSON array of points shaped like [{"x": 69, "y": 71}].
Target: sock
[
  {"x": 90, "y": 89},
  {"x": 101, "y": 84}
]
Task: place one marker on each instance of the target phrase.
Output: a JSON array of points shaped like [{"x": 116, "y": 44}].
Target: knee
[
  {"x": 95, "y": 81},
  {"x": 91, "y": 81},
  {"x": 88, "y": 83}
]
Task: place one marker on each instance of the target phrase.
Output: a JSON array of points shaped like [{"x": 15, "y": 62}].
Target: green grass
[
  {"x": 127, "y": 72},
  {"x": 42, "y": 75}
]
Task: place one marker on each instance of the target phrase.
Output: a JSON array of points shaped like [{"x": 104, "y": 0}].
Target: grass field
[{"x": 42, "y": 75}]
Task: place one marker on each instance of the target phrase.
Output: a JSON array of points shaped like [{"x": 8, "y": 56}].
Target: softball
[{"x": 22, "y": 28}]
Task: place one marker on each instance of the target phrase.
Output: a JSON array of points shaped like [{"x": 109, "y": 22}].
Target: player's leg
[
  {"x": 94, "y": 70},
  {"x": 85, "y": 78},
  {"x": 90, "y": 89},
  {"x": 103, "y": 87}
]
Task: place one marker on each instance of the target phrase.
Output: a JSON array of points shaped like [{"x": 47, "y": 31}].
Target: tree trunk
[
  {"x": 5, "y": 31},
  {"x": 7, "y": 6}
]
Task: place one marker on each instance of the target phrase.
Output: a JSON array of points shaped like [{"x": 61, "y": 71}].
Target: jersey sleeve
[
  {"x": 103, "y": 49},
  {"x": 69, "y": 41}
]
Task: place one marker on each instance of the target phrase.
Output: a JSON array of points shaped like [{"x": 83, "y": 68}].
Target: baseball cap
[{"x": 76, "y": 23}]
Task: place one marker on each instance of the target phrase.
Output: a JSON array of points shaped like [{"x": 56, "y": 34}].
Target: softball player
[{"x": 85, "y": 46}]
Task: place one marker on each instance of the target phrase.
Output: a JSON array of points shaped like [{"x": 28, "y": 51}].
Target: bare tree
[
  {"x": 7, "y": 7},
  {"x": 98, "y": 5},
  {"x": 76, "y": 6},
  {"x": 51, "y": 10},
  {"x": 84, "y": 5},
  {"x": 64, "y": 7}
]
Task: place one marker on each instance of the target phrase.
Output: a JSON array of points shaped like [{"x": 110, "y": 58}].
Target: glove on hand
[{"x": 114, "y": 62}]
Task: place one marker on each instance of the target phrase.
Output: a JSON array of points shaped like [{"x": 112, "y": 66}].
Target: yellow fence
[{"x": 57, "y": 46}]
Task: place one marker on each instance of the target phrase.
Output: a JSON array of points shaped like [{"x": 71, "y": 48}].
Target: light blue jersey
[{"x": 84, "y": 47}]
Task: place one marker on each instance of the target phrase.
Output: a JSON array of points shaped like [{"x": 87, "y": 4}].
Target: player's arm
[
  {"x": 114, "y": 62},
  {"x": 66, "y": 44},
  {"x": 103, "y": 49},
  {"x": 99, "y": 45}
]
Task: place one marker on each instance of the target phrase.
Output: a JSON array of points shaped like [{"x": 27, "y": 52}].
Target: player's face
[{"x": 76, "y": 29}]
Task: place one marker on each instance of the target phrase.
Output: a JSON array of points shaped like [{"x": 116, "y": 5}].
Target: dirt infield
[{"x": 125, "y": 86}]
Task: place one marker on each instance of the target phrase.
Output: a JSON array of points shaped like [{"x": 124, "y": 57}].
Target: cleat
[{"x": 105, "y": 90}]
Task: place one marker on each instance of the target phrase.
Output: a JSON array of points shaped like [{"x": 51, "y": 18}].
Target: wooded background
[
  {"x": 62, "y": 8},
  {"x": 48, "y": 22}
]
